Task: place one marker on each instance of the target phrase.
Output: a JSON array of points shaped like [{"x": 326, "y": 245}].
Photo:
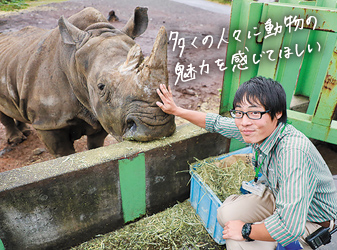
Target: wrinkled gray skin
[{"x": 83, "y": 78}]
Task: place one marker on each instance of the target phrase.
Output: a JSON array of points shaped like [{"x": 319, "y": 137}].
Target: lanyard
[{"x": 257, "y": 169}]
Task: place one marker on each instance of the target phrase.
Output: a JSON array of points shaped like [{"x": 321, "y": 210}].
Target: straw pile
[
  {"x": 179, "y": 227},
  {"x": 175, "y": 228},
  {"x": 225, "y": 177}
]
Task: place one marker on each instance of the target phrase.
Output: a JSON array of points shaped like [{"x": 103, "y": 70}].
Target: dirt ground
[
  {"x": 190, "y": 23},
  {"x": 201, "y": 93}
]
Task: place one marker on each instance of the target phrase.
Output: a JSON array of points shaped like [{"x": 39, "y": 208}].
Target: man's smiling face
[{"x": 255, "y": 131}]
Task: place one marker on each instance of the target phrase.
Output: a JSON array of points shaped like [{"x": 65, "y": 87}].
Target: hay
[
  {"x": 179, "y": 227},
  {"x": 175, "y": 228},
  {"x": 222, "y": 178}
]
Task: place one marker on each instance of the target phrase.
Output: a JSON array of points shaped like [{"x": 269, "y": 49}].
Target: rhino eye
[{"x": 101, "y": 86}]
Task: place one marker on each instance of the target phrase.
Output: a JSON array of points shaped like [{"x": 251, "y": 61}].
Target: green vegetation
[
  {"x": 11, "y": 5},
  {"x": 222, "y": 1},
  {"x": 179, "y": 227},
  {"x": 175, "y": 228},
  {"x": 224, "y": 179}
]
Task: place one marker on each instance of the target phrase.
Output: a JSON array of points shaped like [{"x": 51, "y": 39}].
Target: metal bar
[
  {"x": 316, "y": 71},
  {"x": 251, "y": 41},
  {"x": 289, "y": 69},
  {"x": 316, "y": 131},
  {"x": 328, "y": 100},
  {"x": 232, "y": 80},
  {"x": 326, "y": 17}
]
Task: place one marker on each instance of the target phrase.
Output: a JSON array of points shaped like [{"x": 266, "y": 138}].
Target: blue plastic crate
[{"x": 206, "y": 203}]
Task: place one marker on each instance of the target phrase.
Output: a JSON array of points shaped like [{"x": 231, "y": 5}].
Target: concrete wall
[{"x": 60, "y": 203}]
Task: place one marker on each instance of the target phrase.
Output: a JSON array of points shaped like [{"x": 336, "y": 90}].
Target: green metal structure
[{"x": 295, "y": 43}]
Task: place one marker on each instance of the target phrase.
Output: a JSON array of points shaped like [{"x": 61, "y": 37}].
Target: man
[{"x": 301, "y": 196}]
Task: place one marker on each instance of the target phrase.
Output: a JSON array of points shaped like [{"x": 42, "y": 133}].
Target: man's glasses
[{"x": 254, "y": 115}]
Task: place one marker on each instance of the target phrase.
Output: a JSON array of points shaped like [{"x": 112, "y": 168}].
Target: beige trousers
[{"x": 251, "y": 208}]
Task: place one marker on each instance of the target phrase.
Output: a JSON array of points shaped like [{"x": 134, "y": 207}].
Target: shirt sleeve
[
  {"x": 295, "y": 191},
  {"x": 223, "y": 125}
]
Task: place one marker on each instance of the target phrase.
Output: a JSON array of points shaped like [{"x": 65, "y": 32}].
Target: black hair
[{"x": 266, "y": 91}]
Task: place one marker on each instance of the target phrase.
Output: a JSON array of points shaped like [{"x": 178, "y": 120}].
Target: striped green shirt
[{"x": 297, "y": 175}]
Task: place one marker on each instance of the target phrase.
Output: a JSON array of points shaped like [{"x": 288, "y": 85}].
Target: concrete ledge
[{"x": 63, "y": 202}]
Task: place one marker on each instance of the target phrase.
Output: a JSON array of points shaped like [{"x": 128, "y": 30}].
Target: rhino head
[{"x": 116, "y": 83}]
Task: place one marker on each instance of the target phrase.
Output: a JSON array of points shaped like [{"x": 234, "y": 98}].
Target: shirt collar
[{"x": 266, "y": 146}]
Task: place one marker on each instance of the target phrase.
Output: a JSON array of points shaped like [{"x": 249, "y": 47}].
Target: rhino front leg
[
  {"x": 96, "y": 140},
  {"x": 24, "y": 128},
  {"x": 58, "y": 142},
  {"x": 13, "y": 133}
]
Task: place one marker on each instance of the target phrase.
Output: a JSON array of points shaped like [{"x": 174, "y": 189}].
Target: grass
[
  {"x": 222, "y": 1},
  {"x": 13, "y": 5},
  {"x": 222, "y": 179},
  {"x": 175, "y": 228},
  {"x": 178, "y": 227}
]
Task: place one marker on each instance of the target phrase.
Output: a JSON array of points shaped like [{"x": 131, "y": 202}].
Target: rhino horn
[
  {"x": 70, "y": 33},
  {"x": 157, "y": 61},
  {"x": 158, "y": 57},
  {"x": 137, "y": 24}
]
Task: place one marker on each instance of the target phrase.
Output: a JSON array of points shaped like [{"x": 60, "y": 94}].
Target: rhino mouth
[{"x": 148, "y": 126}]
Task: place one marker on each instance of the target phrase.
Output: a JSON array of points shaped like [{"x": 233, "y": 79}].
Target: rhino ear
[
  {"x": 133, "y": 59},
  {"x": 70, "y": 33},
  {"x": 137, "y": 24}
]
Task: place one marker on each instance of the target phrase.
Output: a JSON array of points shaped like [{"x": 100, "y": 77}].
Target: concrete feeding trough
[{"x": 60, "y": 203}]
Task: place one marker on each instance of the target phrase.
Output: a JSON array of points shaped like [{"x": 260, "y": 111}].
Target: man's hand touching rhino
[{"x": 168, "y": 106}]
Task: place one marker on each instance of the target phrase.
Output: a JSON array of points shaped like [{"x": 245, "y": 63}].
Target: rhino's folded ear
[
  {"x": 133, "y": 59},
  {"x": 70, "y": 34},
  {"x": 137, "y": 24}
]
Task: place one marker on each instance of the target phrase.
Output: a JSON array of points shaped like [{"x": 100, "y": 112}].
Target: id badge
[{"x": 254, "y": 188}]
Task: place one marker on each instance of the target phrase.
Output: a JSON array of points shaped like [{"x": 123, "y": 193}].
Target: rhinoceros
[{"x": 84, "y": 77}]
